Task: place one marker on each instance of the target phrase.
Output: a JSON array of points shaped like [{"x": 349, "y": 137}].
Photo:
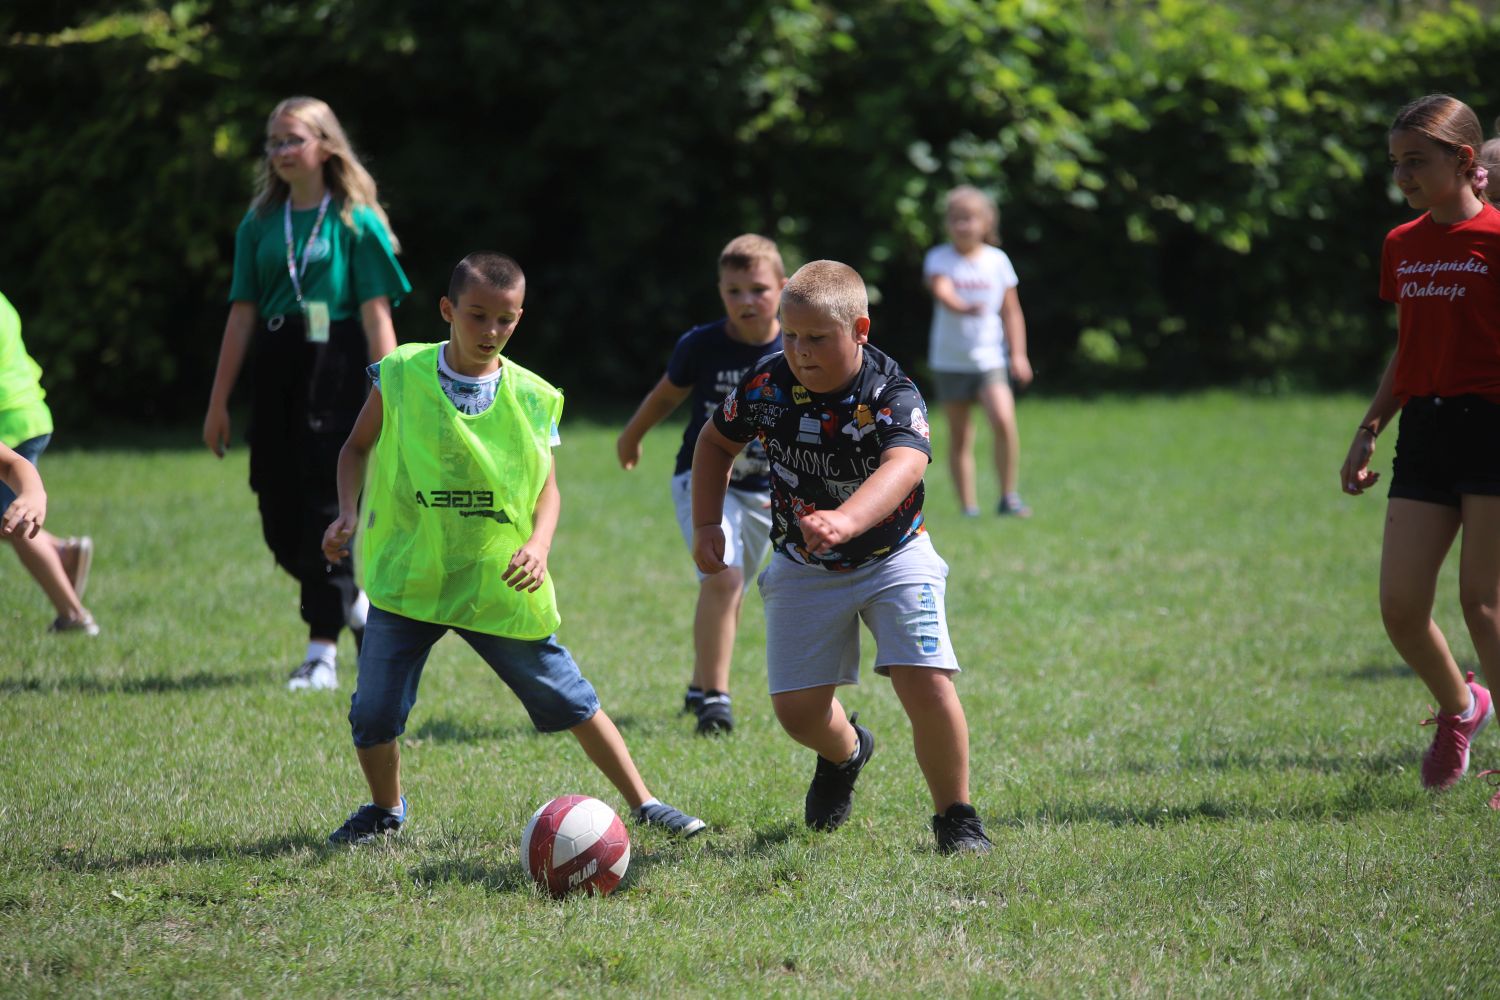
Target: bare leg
[
  {"x": 714, "y": 625},
  {"x": 1479, "y": 581},
  {"x": 940, "y": 733},
  {"x": 961, "y": 453},
  {"x": 1000, "y": 406},
  {"x": 40, "y": 557},
  {"x": 814, "y": 718},
  {"x": 606, "y": 748},
  {"x": 1417, "y": 538},
  {"x": 382, "y": 766}
]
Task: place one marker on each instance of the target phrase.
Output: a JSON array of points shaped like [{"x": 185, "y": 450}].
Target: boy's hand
[
  {"x": 336, "y": 538},
  {"x": 1355, "y": 477},
  {"x": 628, "y": 448},
  {"x": 708, "y": 548},
  {"x": 527, "y": 569},
  {"x": 825, "y": 530},
  {"x": 27, "y": 508}
]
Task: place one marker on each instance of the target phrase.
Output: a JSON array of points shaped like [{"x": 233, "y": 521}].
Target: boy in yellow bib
[{"x": 460, "y": 506}]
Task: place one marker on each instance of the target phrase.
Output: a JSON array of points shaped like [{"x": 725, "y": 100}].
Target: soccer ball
[{"x": 575, "y": 843}]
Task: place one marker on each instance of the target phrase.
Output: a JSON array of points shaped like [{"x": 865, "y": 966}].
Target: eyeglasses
[{"x": 291, "y": 142}]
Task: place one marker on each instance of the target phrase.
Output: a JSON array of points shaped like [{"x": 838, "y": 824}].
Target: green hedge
[{"x": 1190, "y": 196}]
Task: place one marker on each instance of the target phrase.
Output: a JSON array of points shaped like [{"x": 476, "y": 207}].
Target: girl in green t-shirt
[{"x": 315, "y": 280}]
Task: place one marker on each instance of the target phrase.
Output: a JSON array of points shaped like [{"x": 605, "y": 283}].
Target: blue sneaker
[
  {"x": 672, "y": 820},
  {"x": 368, "y": 824}
]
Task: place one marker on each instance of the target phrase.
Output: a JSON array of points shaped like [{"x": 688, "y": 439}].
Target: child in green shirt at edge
[{"x": 459, "y": 509}]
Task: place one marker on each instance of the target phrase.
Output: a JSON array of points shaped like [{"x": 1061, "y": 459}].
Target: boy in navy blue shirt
[
  {"x": 709, "y": 361},
  {"x": 846, "y": 434}
]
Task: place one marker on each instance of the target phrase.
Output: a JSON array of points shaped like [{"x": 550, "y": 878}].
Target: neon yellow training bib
[{"x": 449, "y": 499}]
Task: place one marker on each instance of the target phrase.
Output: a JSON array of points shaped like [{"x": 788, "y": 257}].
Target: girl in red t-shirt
[{"x": 1442, "y": 271}]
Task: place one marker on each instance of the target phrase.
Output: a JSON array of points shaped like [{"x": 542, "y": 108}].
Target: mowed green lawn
[{"x": 1195, "y": 750}]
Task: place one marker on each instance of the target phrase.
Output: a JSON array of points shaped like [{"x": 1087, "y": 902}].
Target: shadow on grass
[
  {"x": 510, "y": 877},
  {"x": 1331, "y": 761},
  {"x": 1382, "y": 672},
  {"x": 446, "y": 729},
  {"x": 271, "y": 847},
  {"x": 151, "y": 684}
]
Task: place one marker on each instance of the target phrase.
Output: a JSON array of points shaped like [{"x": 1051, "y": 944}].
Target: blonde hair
[
  {"x": 1446, "y": 121},
  {"x": 830, "y": 287},
  {"x": 742, "y": 253},
  {"x": 345, "y": 177},
  {"x": 968, "y": 194},
  {"x": 1489, "y": 159}
]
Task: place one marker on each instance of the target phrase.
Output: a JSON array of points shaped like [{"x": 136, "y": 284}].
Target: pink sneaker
[
  {"x": 1494, "y": 777},
  {"x": 1448, "y": 757}
]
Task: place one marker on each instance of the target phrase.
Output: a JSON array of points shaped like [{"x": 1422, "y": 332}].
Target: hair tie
[{"x": 1481, "y": 178}]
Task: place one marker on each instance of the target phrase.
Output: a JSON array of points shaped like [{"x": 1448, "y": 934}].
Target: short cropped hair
[
  {"x": 742, "y": 252},
  {"x": 829, "y": 287},
  {"x": 485, "y": 267}
]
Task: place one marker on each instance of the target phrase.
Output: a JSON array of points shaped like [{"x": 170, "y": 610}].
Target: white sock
[
  {"x": 1468, "y": 713},
  {"x": 318, "y": 649},
  {"x": 649, "y": 802}
]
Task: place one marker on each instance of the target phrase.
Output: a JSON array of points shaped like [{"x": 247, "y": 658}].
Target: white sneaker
[
  {"x": 315, "y": 674},
  {"x": 358, "y": 611}
]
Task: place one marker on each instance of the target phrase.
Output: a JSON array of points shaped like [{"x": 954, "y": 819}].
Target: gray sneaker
[
  {"x": 86, "y": 625},
  {"x": 661, "y": 815}
]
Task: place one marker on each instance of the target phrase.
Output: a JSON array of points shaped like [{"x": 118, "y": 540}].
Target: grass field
[{"x": 1195, "y": 750}]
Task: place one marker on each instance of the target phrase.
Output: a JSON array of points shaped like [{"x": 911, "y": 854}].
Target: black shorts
[{"x": 1447, "y": 447}]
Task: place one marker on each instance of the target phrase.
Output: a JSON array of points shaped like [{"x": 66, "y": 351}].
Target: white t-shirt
[
  {"x": 467, "y": 393},
  {"x": 962, "y": 343}
]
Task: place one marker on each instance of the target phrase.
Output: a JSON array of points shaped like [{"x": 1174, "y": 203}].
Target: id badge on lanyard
[{"x": 315, "y": 313}]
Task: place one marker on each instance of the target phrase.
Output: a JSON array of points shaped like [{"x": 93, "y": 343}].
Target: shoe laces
[
  {"x": 1450, "y": 738},
  {"x": 829, "y": 777}
]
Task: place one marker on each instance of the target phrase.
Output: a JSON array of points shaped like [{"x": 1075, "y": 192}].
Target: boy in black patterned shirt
[{"x": 846, "y": 434}]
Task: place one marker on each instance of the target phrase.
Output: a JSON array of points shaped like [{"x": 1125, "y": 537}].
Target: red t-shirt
[{"x": 1446, "y": 282}]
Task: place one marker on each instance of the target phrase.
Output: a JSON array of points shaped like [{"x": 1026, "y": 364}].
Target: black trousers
[{"x": 305, "y": 402}]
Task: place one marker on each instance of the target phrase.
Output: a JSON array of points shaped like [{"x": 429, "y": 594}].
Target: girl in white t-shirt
[{"x": 978, "y": 344}]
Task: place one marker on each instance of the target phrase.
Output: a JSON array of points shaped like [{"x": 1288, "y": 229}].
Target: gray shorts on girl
[{"x": 813, "y": 616}]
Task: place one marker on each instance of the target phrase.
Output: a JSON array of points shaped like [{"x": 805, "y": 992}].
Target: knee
[
  {"x": 798, "y": 718},
  {"x": 1480, "y": 604},
  {"x": 372, "y": 722},
  {"x": 1404, "y": 616}
]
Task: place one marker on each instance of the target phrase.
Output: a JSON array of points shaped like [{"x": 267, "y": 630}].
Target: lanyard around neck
[{"x": 292, "y": 269}]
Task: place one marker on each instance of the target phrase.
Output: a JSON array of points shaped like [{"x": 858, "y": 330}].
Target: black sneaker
[
  {"x": 959, "y": 831},
  {"x": 831, "y": 794},
  {"x": 715, "y": 717},
  {"x": 368, "y": 824},
  {"x": 692, "y": 702}
]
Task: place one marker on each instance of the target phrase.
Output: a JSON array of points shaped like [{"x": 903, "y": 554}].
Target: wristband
[{"x": 1367, "y": 428}]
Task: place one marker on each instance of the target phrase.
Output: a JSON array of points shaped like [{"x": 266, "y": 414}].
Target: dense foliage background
[{"x": 1193, "y": 192}]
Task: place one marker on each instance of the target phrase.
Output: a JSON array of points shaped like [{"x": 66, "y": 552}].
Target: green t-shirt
[
  {"x": 23, "y": 411},
  {"x": 346, "y": 267}
]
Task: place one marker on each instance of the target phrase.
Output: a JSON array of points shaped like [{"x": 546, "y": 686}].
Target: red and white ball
[{"x": 576, "y": 844}]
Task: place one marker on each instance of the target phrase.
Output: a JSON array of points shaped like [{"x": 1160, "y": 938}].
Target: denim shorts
[
  {"x": 31, "y": 449},
  {"x": 394, "y": 651},
  {"x": 1447, "y": 447}
]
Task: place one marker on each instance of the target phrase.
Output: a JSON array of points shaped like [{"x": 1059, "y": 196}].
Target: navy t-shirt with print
[
  {"x": 712, "y": 362},
  {"x": 822, "y": 448}
]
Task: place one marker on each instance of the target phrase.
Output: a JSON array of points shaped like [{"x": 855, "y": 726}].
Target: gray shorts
[
  {"x": 812, "y": 617},
  {"x": 960, "y": 387}
]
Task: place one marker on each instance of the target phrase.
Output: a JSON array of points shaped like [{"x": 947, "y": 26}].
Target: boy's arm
[
  {"x": 901, "y": 469},
  {"x": 354, "y": 457},
  {"x": 30, "y": 504},
  {"x": 663, "y": 398},
  {"x": 238, "y": 329},
  {"x": 380, "y": 331},
  {"x": 1014, "y": 323},
  {"x": 528, "y": 567},
  {"x": 713, "y": 457},
  {"x": 943, "y": 290}
]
